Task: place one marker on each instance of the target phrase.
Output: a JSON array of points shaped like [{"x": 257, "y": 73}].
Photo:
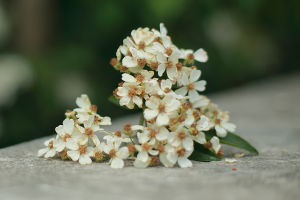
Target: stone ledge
[{"x": 267, "y": 114}]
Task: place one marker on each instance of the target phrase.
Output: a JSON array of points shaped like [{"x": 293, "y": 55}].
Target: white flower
[
  {"x": 215, "y": 144},
  {"x": 179, "y": 155},
  {"x": 191, "y": 85},
  {"x": 89, "y": 130},
  {"x": 159, "y": 133},
  {"x": 199, "y": 137},
  {"x": 203, "y": 124},
  {"x": 168, "y": 64},
  {"x": 85, "y": 108},
  {"x": 201, "y": 101},
  {"x": 181, "y": 138},
  {"x": 79, "y": 151},
  {"x": 116, "y": 154},
  {"x": 161, "y": 109},
  {"x": 65, "y": 131},
  {"x": 200, "y": 55},
  {"x": 144, "y": 149},
  {"x": 49, "y": 151},
  {"x": 222, "y": 126},
  {"x": 130, "y": 94}
]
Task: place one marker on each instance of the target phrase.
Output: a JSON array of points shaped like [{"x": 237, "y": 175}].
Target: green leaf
[
  {"x": 234, "y": 140},
  {"x": 114, "y": 100},
  {"x": 202, "y": 154}
]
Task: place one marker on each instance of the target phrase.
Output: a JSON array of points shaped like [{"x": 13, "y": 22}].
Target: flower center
[
  {"x": 118, "y": 133},
  {"x": 154, "y": 65},
  {"x": 190, "y": 56},
  {"x": 169, "y": 64},
  {"x": 94, "y": 108},
  {"x": 161, "y": 108},
  {"x": 141, "y": 62},
  {"x": 98, "y": 154},
  {"x": 67, "y": 135},
  {"x": 127, "y": 127},
  {"x": 181, "y": 152},
  {"x": 112, "y": 153},
  {"x": 186, "y": 105},
  {"x": 217, "y": 121},
  {"x": 181, "y": 135},
  {"x": 146, "y": 146},
  {"x": 142, "y": 45},
  {"x": 152, "y": 133},
  {"x": 82, "y": 149},
  {"x": 160, "y": 148},
  {"x": 50, "y": 145},
  {"x": 131, "y": 148},
  {"x": 190, "y": 86},
  {"x": 168, "y": 51},
  {"x": 131, "y": 92},
  {"x": 89, "y": 131},
  {"x": 140, "y": 78},
  {"x": 63, "y": 153}
]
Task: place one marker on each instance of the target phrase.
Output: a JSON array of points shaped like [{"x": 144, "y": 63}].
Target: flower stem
[{"x": 142, "y": 120}]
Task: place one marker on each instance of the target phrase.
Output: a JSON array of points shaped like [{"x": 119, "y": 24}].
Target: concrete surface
[{"x": 267, "y": 113}]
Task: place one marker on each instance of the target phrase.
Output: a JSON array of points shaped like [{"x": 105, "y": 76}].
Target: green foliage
[
  {"x": 234, "y": 140},
  {"x": 202, "y": 154}
]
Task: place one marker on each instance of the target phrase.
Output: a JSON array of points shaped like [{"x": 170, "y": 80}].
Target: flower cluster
[{"x": 164, "y": 82}]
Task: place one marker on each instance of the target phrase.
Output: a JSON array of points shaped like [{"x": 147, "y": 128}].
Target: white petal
[
  {"x": 138, "y": 101},
  {"x": 161, "y": 58},
  {"x": 128, "y": 78},
  {"x": 195, "y": 75},
  {"x": 200, "y": 85},
  {"x": 162, "y": 119},
  {"x": 129, "y": 62},
  {"x": 172, "y": 157},
  {"x": 221, "y": 132},
  {"x": 215, "y": 143},
  {"x": 123, "y": 153},
  {"x": 51, "y": 153},
  {"x": 140, "y": 164},
  {"x": 181, "y": 91},
  {"x": 200, "y": 138},
  {"x": 143, "y": 156},
  {"x": 83, "y": 101},
  {"x": 117, "y": 163},
  {"x": 163, "y": 29},
  {"x": 74, "y": 155},
  {"x": 162, "y": 134},
  {"x": 41, "y": 152},
  {"x": 122, "y": 91},
  {"x": 71, "y": 144},
  {"x": 95, "y": 140},
  {"x": 172, "y": 73},
  {"x": 85, "y": 159},
  {"x": 229, "y": 126},
  {"x": 193, "y": 94},
  {"x": 184, "y": 79},
  {"x": 163, "y": 159},
  {"x": 124, "y": 101},
  {"x": 166, "y": 41},
  {"x": 184, "y": 162},
  {"x": 150, "y": 114},
  {"x": 105, "y": 121},
  {"x": 188, "y": 144},
  {"x": 68, "y": 125},
  {"x": 161, "y": 69},
  {"x": 201, "y": 55},
  {"x": 60, "y": 130}
]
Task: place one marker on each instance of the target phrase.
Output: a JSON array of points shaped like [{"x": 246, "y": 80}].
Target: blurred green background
[{"x": 52, "y": 51}]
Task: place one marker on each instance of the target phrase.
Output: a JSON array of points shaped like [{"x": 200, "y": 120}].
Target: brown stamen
[
  {"x": 181, "y": 135},
  {"x": 152, "y": 133},
  {"x": 217, "y": 121},
  {"x": 139, "y": 77},
  {"x": 190, "y": 86},
  {"x": 50, "y": 145},
  {"x": 82, "y": 149},
  {"x": 179, "y": 66},
  {"x": 190, "y": 56},
  {"x": 118, "y": 133},
  {"x": 112, "y": 153},
  {"x": 169, "y": 64},
  {"x": 169, "y": 51},
  {"x": 146, "y": 146},
  {"x": 154, "y": 65},
  {"x": 161, "y": 148},
  {"x": 208, "y": 145},
  {"x": 181, "y": 152},
  {"x": 123, "y": 68},
  {"x": 88, "y": 131},
  {"x": 141, "y": 62},
  {"x": 127, "y": 127},
  {"x": 142, "y": 45},
  {"x": 98, "y": 154},
  {"x": 131, "y": 148},
  {"x": 94, "y": 108},
  {"x": 113, "y": 61},
  {"x": 161, "y": 108},
  {"x": 66, "y": 136}
]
